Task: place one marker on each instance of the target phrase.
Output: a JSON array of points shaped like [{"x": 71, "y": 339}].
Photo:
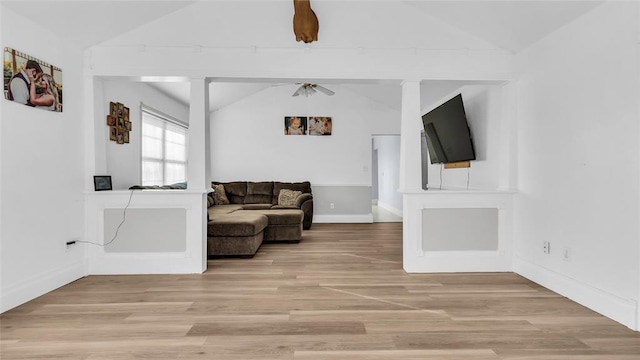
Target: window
[{"x": 164, "y": 149}]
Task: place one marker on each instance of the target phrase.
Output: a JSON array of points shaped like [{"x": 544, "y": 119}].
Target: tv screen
[{"x": 448, "y": 135}]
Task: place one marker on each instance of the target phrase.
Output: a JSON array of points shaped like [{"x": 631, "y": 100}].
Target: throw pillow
[
  {"x": 219, "y": 196},
  {"x": 288, "y": 197}
]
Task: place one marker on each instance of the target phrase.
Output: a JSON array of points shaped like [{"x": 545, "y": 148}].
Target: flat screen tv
[{"x": 448, "y": 136}]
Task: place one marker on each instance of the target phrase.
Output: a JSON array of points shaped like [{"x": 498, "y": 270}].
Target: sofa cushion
[
  {"x": 218, "y": 210},
  {"x": 285, "y": 207},
  {"x": 257, "y": 199},
  {"x": 259, "y": 192},
  {"x": 237, "y": 223},
  {"x": 219, "y": 195},
  {"x": 257, "y": 206},
  {"x": 280, "y": 216},
  {"x": 288, "y": 197},
  {"x": 260, "y": 188},
  {"x": 236, "y": 191}
]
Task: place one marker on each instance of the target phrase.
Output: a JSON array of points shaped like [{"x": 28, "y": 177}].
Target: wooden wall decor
[
  {"x": 118, "y": 122},
  {"x": 305, "y": 21}
]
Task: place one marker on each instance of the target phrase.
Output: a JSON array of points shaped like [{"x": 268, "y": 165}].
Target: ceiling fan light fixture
[{"x": 308, "y": 89}]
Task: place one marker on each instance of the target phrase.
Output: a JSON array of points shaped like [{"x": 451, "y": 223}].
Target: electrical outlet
[
  {"x": 566, "y": 254},
  {"x": 331, "y": 206},
  {"x": 546, "y": 247}
]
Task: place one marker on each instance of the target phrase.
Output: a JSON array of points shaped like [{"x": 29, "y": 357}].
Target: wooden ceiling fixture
[{"x": 305, "y": 21}]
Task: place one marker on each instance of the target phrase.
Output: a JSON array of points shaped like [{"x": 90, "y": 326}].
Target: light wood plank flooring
[{"x": 339, "y": 294}]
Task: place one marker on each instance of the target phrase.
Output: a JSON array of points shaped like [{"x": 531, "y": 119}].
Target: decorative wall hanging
[
  {"x": 31, "y": 81},
  {"x": 118, "y": 122}
]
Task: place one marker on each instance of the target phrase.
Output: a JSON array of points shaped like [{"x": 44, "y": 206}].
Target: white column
[
  {"x": 198, "y": 119},
  {"x": 197, "y": 167},
  {"x": 508, "y": 174},
  {"x": 410, "y": 127},
  {"x": 637, "y": 325}
]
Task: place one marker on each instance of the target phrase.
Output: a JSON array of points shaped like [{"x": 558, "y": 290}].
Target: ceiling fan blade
[
  {"x": 323, "y": 90},
  {"x": 299, "y": 91}
]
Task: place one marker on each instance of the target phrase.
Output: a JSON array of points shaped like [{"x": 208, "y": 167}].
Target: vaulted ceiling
[{"x": 507, "y": 25}]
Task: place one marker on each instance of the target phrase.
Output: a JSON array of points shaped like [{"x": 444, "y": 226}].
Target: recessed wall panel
[
  {"x": 145, "y": 230},
  {"x": 460, "y": 229}
]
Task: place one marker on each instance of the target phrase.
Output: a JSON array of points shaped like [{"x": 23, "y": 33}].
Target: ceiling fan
[{"x": 308, "y": 89}]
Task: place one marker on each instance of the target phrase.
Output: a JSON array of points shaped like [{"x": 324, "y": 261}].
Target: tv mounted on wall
[{"x": 448, "y": 135}]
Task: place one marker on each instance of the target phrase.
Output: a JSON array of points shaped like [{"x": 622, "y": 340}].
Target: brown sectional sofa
[
  {"x": 264, "y": 195},
  {"x": 254, "y": 216}
]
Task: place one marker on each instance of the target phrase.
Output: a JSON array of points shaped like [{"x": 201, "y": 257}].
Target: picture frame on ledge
[{"x": 102, "y": 182}]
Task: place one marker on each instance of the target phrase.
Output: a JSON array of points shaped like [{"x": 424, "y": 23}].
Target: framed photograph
[
  {"x": 113, "y": 133},
  {"x": 120, "y": 110},
  {"x": 113, "y": 109},
  {"x": 18, "y": 66},
  {"x": 295, "y": 125},
  {"x": 320, "y": 125},
  {"x": 111, "y": 120},
  {"x": 127, "y": 125},
  {"x": 125, "y": 113},
  {"x": 102, "y": 182},
  {"x": 125, "y": 137}
]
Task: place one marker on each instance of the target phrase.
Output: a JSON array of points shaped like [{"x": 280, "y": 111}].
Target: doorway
[{"x": 386, "y": 200}]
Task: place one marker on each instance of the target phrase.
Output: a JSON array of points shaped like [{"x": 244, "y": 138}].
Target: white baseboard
[
  {"x": 390, "y": 208},
  {"x": 364, "y": 218},
  {"x": 29, "y": 289},
  {"x": 610, "y": 305}
]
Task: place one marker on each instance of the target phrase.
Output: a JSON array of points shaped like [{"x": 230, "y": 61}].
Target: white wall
[
  {"x": 388, "y": 175},
  {"x": 578, "y": 161},
  {"x": 122, "y": 161},
  {"x": 42, "y": 175},
  {"x": 484, "y": 110},
  {"x": 248, "y": 141}
]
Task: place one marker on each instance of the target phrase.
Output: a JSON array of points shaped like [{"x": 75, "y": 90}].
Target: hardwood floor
[{"x": 340, "y": 293}]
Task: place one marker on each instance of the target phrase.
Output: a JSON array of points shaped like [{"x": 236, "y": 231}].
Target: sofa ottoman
[
  {"x": 285, "y": 225},
  {"x": 239, "y": 233}
]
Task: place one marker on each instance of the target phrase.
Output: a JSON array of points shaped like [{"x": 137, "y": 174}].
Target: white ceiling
[
  {"x": 511, "y": 25},
  {"x": 91, "y": 22}
]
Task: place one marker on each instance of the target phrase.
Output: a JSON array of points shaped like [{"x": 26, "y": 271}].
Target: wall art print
[{"x": 31, "y": 81}]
